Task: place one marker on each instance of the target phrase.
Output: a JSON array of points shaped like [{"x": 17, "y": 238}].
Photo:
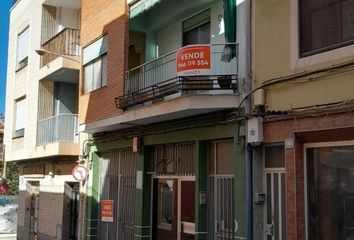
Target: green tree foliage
[{"x": 12, "y": 177}]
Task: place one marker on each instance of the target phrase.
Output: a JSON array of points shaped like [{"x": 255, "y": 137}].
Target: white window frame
[
  {"x": 19, "y": 132},
  {"x": 95, "y": 53},
  {"x": 101, "y": 79},
  {"x": 298, "y": 62},
  {"x": 22, "y": 61},
  {"x": 317, "y": 145}
]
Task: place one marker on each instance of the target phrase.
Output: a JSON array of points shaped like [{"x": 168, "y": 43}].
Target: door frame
[
  {"x": 317, "y": 145},
  {"x": 265, "y": 172},
  {"x": 179, "y": 179}
]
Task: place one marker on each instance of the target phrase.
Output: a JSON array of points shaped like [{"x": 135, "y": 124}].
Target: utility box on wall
[{"x": 255, "y": 131}]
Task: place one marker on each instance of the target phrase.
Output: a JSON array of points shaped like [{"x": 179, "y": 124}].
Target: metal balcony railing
[
  {"x": 158, "y": 78},
  {"x": 59, "y": 128},
  {"x": 66, "y": 42}
]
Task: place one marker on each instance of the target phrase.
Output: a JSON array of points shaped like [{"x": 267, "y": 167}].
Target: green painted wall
[
  {"x": 92, "y": 200},
  {"x": 143, "y": 196}
]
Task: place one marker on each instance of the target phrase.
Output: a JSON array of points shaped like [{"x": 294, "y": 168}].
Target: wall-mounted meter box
[
  {"x": 255, "y": 131},
  {"x": 258, "y": 98}
]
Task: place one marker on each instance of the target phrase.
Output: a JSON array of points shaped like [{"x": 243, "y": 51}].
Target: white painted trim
[
  {"x": 329, "y": 144},
  {"x": 317, "y": 145},
  {"x": 296, "y": 62},
  {"x": 305, "y": 189},
  {"x": 272, "y": 171},
  {"x": 183, "y": 178},
  {"x": 184, "y": 106},
  {"x": 179, "y": 180},
  {"x": 280, "y": 207}
]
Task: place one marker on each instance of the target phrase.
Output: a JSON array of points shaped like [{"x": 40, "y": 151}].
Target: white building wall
[
  {"x": 170, "y": 38},
  {"x": 25, "y": 81},
  {"x": 67, "y": 18}
]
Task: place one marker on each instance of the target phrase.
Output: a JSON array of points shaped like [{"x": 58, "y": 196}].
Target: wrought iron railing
[
  {"x": 59, "y": 128},
  {"x": 66, "y": 42},
  {"x": 158, "y": 78}
]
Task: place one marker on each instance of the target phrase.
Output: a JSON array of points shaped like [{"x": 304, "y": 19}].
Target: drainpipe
[
  {"x": 249, "y": 148},
  {"x": 4, "y": 162},
  {"x": 249, "y": 194}
]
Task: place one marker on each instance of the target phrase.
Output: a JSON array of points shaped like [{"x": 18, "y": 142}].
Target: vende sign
[
  {"x": 107, "y": 209},
  {"x": 193, "y": 60}
]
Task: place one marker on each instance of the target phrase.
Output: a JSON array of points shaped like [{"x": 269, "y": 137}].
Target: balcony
[
  {"x": 158, "y": 79},
  {"x": 61, "y": 57},
  {"x": 66, "y": 43},
  {"x": 60, "y": 128}
]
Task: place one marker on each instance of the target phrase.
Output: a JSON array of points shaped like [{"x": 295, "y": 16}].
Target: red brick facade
[
  {"x": 99, "y": 18},
  {"x": 325, "y": 128}
]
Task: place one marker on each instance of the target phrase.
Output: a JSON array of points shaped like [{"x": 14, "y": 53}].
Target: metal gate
[
  {"x": 221, "y": 208},
  {"x": 275, "y": 227},
  {"x": 117, "y": 183}
]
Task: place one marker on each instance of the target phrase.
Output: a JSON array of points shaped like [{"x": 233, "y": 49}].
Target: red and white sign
[
  {"x": 107, "y": 208},
  {"x": 80, "y": 173},
  {"x": 193, "y": 60}
]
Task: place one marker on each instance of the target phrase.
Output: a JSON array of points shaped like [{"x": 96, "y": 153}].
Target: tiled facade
[{"x": 45, "y": 156}]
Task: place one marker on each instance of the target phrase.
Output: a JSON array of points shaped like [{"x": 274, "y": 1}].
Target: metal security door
[
  {"x": 221, "y": 191},
  {"x": 221, "y": 204},
  {"x": 275, "y": 223},
  {"x": 118, "y": 180}
]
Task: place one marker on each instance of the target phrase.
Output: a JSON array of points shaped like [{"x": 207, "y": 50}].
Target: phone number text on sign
[{"x": 193, "y": 60}]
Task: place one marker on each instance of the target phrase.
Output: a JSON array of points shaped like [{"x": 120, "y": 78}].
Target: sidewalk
[{"x": 8, "y": 236}]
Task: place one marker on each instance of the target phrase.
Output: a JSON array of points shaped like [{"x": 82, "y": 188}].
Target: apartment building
[
  {"x": 41, "y": 115},
  {"x": 303, "y": 60},
  {"x": 2, "y": 123},
  {"x": 164, "y": 145}
]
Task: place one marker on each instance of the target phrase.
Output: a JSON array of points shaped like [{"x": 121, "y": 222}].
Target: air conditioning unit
[{"x": 255, "y": 131}]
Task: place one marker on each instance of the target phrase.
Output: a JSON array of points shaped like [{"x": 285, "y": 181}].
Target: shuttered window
[
  {"x": 95, "y": 65},
  {"x": 22, "y": 48},
  {"x": 196, "y": 30},
  {"x": 20, "y": 118}
]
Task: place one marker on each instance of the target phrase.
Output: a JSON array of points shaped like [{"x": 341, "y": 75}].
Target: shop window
[
  {"x": 325, "y": 25},
  {"x": 95, "y": 65},
  {"x": 330, "y": 193}
]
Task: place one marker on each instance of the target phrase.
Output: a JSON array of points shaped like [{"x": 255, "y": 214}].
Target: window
[
  {"x": 330, "y": 193},
  {"x": 196, "y": 30},
  {"x": 22, "y": 48},
  {"x": 20, "y": 118},
  {"x": 95, "y": 65},
  {"x": 221, "y": 157},
  {"x": 325, "y": 25}
]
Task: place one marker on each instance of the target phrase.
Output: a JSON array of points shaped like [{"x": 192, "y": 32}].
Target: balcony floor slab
[
  {"x": 61, "y": 70},
  {"x": 49, "y": 150},
  {"x": 177, "y": 108}
]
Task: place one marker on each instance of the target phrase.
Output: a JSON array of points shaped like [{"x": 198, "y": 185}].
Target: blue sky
[{"x": 5, "y": 6}]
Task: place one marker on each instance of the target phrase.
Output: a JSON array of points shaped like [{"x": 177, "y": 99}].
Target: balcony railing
[
  {"x": 60, "y": 128},
  {"x": 66, "y": 42},
  {"x": 158, "y": 78}
]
